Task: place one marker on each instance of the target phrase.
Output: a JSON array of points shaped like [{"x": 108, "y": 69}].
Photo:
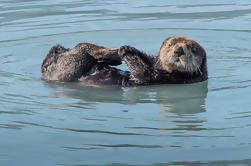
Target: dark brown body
[{"x": 92, "y": 65}]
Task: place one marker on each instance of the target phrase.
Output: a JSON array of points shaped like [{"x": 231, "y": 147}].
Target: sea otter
[{"x": 180, "y": 60}]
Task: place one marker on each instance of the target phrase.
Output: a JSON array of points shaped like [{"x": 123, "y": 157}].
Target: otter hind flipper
[
  {"x": 52, "y": 56},
  {"x": 63, "y": 64}
]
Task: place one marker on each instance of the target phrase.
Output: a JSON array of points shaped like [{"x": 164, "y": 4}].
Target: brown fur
[
  {"x": 167, "y": 67},
  {"x": 174, "y": 73},
  {"x": 180, "y": 60}
]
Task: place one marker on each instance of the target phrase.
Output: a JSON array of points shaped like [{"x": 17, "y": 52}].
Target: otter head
[{"x": 182, "y": 54}]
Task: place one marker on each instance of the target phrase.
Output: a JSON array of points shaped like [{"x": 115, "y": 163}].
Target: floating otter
[{"x": 180, "y": 60}]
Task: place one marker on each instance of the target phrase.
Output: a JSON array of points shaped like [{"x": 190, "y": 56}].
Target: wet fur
[
  {"x": 188, "y": 72},
  {"x": 92, "y": 65},
  {"x": 84, "y": 62}
]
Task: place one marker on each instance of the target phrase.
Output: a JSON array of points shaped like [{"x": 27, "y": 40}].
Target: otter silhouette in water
[{"x": 180, "y": 60}]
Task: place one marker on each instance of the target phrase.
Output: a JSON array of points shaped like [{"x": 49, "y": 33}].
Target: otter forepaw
[{"x": 124, "y": 50}]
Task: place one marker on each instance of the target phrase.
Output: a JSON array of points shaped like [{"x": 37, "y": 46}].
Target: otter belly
[{"x": 105, "y": 75}]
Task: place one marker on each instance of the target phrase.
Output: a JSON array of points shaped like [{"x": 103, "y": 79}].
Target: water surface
[{"x": 68, "y": 124}]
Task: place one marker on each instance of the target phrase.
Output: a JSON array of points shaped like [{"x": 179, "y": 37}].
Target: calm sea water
[{"x": 206, "y": 123}]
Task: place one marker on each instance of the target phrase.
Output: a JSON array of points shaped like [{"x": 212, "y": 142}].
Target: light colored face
[{"x": 181, "y": 54}]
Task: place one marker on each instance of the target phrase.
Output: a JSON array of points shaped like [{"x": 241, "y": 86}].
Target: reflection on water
[
  {"x": 179, "y": 99},
  {"x": 45, "y": 123}
]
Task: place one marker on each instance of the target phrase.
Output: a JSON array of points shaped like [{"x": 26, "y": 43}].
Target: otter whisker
[
  {"x": 190, "y": 64},
  {"x": 196, "y": 69},
  {"x": 183, "y": 64},
  {"x": 200, "y": 71},
  {"x": 191, "y": 69}
]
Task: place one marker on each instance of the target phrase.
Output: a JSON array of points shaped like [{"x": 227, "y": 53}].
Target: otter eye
[
  {"x": 169, "y": 44},
  {"x": 194, "y": 50}
]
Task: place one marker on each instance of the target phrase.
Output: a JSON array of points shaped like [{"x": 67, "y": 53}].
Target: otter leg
[
  {"x": 66, "y": 65},
  {"x": 102, "y": 55},
  {"x": 139, "y": 64}
]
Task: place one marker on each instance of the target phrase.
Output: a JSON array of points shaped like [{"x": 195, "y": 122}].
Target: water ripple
[
  {"x": 10, "y": 126},
  {"x": 121, "y": 30},
  {"x": 105, "y": 132},
  {"x": 133, "y": 146},
  {"x": 78, "y": 148},
  {"x": 180, "y": 128},
  {"x": 83, "y": 130},
  {"x": 152, "y": 125},
  {"x": 200, "y": 15}
]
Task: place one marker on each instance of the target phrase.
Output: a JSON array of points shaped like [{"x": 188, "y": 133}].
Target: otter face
[{"x": 181, "y": 54}]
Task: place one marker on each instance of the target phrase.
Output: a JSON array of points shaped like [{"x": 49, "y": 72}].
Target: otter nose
[{"x": 179, "y": 51}]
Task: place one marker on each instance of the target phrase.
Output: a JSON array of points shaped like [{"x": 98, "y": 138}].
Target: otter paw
[{"x": 124, "y": 50}]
